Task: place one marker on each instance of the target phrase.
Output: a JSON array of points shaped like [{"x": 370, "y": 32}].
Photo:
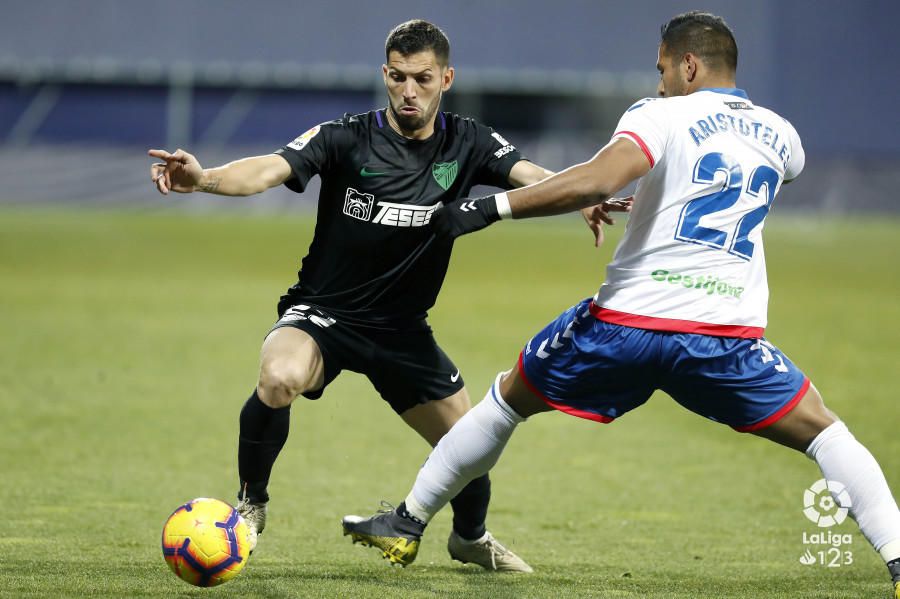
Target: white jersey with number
[{"x": 691, "y": 259}]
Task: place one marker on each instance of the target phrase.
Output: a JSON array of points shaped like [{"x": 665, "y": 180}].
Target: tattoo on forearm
[{"x": 209, "y": 186}]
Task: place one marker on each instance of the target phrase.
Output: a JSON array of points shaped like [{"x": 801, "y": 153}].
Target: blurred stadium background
[
  {"x": 131, "y": 329},
  {"x": 86, "y": 86}
]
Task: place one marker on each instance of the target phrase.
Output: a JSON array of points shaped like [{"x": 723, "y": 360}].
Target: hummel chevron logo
[
  {"x": 364, "y": 172},
  {"x": 468, "y": 206},
  {"x": 555, "y": 344}
]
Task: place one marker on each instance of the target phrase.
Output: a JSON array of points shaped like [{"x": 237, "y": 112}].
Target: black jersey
[{"x": 374, "y": 260}]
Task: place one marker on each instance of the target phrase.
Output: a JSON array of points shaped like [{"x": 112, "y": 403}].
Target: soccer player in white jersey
[{"x": 683, "y": 307}]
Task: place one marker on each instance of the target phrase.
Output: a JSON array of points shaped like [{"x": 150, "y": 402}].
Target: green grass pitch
[{"x": 130, "y": 342}]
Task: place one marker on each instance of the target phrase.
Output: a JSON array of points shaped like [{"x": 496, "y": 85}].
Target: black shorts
[{"x": 406, "y": 367}]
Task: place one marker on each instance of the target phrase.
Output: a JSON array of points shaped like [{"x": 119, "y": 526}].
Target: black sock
[
  {"x": 894, "y": 569},
  {"x": 264, "y": 431},
  {"x": 470, "y": 508},
  {"x": 404, "y": 513}
]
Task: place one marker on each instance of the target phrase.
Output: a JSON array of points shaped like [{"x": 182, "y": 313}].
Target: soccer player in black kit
[{"x": 374, "y": 266}]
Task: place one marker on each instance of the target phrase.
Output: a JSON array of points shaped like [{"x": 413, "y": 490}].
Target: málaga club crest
[{"x": 445, "y": 173}]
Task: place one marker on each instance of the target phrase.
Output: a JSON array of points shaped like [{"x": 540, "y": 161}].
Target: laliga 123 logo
[
  {"x": 827, "y": 503},
  {"x": 819, "y": 504}
]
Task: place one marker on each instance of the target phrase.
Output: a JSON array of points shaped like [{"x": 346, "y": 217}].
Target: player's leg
[
  {"x": 474, "y": 444},
  {"x": 463, "y": 455},
  {"x": 290, "y": 364},
  {"x": 813, "y": 429},
  {"x": 470, "y": 541},
  {"x": 574, "y": 365},
  {"x": 802, "y": 424},
  {"x": 752, "y": 386},
  {"x": 432, "y": 420},
  {"x": 422, "y": 385},
  {"x": 477, "y": 440}
]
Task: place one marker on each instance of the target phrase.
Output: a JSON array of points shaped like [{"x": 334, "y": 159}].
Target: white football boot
[
  {"x": 254, "y": 514},
  {"x": 487, "y": 552}
]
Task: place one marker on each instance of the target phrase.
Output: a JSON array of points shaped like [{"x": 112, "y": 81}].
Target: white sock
[
  {"x": 468, "y": 450},
  {"x": 844, "y": 459}
]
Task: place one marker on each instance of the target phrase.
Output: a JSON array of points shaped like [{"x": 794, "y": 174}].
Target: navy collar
[{"x": 731, "y": 91}]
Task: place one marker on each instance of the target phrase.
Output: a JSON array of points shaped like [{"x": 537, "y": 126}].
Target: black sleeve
[
  {"x": 312, "y": 153},
  {"x": 497, "y": 158}
]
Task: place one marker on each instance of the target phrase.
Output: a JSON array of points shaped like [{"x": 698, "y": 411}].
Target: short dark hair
[
  {"x": 703, "y": 34},
  {"x": 418, "y": 36}
]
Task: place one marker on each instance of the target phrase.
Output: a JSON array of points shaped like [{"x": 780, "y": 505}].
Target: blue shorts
[{"x": 598, "y": 370}]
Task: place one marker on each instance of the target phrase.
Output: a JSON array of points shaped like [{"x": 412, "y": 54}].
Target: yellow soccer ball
[{"x": 205, "y": 542}]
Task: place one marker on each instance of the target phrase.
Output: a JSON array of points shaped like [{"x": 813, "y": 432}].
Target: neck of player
[{"x": 716, "y": 82}]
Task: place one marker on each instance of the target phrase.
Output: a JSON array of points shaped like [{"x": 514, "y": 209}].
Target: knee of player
[{"x": 280, "y": 383}]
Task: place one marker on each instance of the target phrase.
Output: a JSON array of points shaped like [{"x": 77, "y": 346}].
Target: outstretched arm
[
  {"x": 578, "y": 187},
  {"x": 583, "y": 185},
  {"x": 525, "y": 172},
  {"x": 182, "y": 173}
]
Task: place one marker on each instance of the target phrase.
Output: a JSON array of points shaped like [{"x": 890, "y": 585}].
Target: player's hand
[
  {"x": 595, "y": 216},
  {"x": 180, "y": 172},
  {"x": 466, "y": 216}
]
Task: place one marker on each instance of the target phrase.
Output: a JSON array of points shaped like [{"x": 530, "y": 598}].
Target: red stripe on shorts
[
  {"x": 778, "y": 415},
  {"x": 558, "y": 406}
]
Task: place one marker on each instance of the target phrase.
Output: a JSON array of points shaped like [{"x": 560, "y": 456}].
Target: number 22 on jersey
[{"x": 689, "y": 228}]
